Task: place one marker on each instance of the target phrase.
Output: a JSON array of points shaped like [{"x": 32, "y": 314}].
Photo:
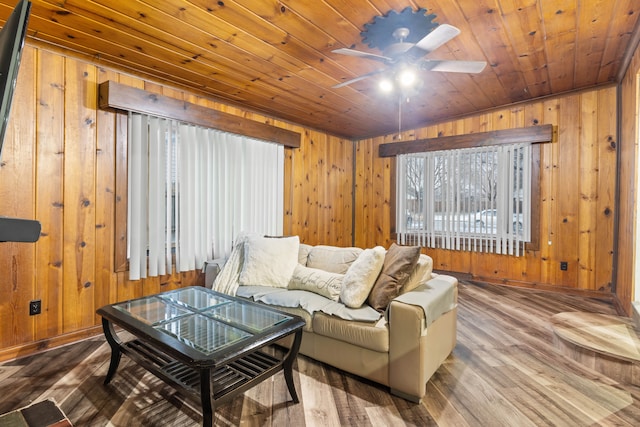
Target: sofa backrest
[
  {"x": 332, "y": 258},
  {"x": 337, "y": 260}
]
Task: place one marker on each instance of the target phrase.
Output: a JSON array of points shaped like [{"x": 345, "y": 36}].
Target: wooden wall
[
  {"x": 626, "y": 248},
  {"x": 59, "y": 166},
  {"x": 60, "y": 160},
  {"x": 577, "y": 200}
]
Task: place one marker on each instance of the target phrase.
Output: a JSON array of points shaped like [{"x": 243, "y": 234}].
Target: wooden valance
[
  {"x": 117, "y": 96},
  {"x": 532, "y": 134}
]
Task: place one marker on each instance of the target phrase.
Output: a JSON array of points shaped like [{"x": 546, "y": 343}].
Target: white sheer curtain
[
  {"x": 475, "y": 199},
  {"x": 194, "y": 189}
]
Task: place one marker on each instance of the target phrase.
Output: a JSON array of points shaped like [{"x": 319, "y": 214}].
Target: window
[
  {"x": 192, "y": 189},
  {"x": 475, "y": 199}
]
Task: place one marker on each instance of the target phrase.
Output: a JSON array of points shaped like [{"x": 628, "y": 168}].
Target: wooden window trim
[{"x": 533, "y": 135}]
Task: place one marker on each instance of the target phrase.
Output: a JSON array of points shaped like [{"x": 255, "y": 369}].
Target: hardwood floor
[{"x": 504, "y": 371}]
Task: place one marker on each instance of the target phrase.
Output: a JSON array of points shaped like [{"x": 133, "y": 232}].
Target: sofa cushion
[
  {"x": 360, "y": 277},
  {"x": 399, "y": 262},
  {"x": 268, "y": 261},
  {"x": 371, "y": 335},
  {"x": 420, "y": 274},
  {"x": 294, "y": 310},
  {"x": 303, "y": 253},
  {"x": 332, "y": 258},
  {"x": 317, "y": 281}
]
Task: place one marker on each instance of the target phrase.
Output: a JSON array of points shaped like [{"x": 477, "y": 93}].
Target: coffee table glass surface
[{"x": 203, "y": 321}]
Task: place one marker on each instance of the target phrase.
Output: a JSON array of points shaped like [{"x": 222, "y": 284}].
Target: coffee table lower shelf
[{"x": 227, "y": 381}]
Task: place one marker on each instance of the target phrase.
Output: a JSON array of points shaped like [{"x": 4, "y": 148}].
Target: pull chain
[{"x": 400, "y": 117}]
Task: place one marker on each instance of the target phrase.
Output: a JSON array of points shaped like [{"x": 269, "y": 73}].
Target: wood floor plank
[{"x": 507, "y": 369}]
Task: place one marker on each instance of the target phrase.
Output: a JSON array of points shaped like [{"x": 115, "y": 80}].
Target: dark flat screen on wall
[
  {"x": 12, "y": 38},
  {"x": 11, "y": 42}
]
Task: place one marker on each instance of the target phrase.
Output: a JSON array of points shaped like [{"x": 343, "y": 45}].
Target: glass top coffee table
[{"x": 202, "y": 342}]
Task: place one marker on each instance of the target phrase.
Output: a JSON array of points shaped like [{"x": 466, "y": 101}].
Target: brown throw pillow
[{"x": 399, "y": 262}]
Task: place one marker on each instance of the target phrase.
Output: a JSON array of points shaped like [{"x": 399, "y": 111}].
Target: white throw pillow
[
  {"x": 318, "y": 281},
  {"x": 269, "y": 261},
  {"x": 361, "y": 276}
]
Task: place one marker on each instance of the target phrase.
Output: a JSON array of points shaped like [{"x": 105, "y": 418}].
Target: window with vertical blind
[
  {"x": 192, "y": 189},
  {"x": 470, "y": 199}
]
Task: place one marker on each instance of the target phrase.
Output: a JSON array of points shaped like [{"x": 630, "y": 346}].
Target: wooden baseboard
[
  {"x": 47, "y": 344},
  {"x": 601, "y": 295}
]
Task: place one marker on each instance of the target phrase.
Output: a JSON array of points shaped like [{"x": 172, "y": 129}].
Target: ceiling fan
[{"x": 401, "y": 51}]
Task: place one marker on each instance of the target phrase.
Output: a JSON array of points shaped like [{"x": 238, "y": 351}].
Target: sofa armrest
[
  {"x": 416, "y": 348},
  {"x": 211, "y": 269}
]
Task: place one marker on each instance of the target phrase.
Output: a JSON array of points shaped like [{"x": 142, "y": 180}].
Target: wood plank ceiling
[{"x": 275, "y": 57}]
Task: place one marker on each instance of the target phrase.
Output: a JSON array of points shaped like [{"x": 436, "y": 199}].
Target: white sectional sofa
[{"x": 400, "y": 343}]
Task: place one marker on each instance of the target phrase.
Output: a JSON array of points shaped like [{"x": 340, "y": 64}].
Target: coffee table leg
[
  {"x": 114, "y": 343},
  {"x": 206, "y": 397},
  {"x": 288, "y": 365}
]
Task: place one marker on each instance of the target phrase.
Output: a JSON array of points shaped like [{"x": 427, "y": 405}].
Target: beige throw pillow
[
  {"x": 317, "y": 281},
  {"x": 332, "y": 258},
  {"x": 360, "y": 277},
  {"x": 399, "y": 262},
  {"x": 269, "y": 262},
  {"x": 420, "y": 274}
]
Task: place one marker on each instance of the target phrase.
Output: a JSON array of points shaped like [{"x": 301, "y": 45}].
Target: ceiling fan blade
[
  {"x": 357, "y": 79},
  {"x": 436, "y": 38},
  {"x": 453, "y": 66},
  {"x": 360, "y": 54}
]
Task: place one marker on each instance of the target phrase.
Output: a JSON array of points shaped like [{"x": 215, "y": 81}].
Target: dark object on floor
[{"x": 42, "y": 414}]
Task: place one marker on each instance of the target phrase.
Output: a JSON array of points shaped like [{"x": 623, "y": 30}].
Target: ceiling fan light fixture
[
  {"x": 385, "y": 85},
  {"x": 407, "y": 78}
]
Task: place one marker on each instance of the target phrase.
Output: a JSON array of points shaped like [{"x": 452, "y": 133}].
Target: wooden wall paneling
[
  {"x": 628, "y": 146},
  {"x": 299, "y": 178},
  {"x": 361, "y": 195},
  {"x": 549, "y": 197},
  {"x": 384, "y": 213},
  {"x": 533, "y": 116},
  {"x": 587, "y": 180},
  {"x": 325, "y": 187},
  {"x": 358, "y": 164},
  {"x": 346, "y": 193},
  {"x": 568, "y": 186},
  {"x": 150, "y": 285},
  {"x": 333, "y": 199},
  {"x": 50, "y": 87},
  {"x": 79, "y": 195},
  {"x": 106, "y": 284},
  {"x": 311, "y": 191},
  {"x": 17, "y": 171},
  {"x": 560, "y": 207},
  {"x": 337, "y": 176},
  {"x": 378, "y": 189},
  {"x": 606, "y": 189},
  {"x": 344, "y": 164},
  {"x": 287, "y": 224}
]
